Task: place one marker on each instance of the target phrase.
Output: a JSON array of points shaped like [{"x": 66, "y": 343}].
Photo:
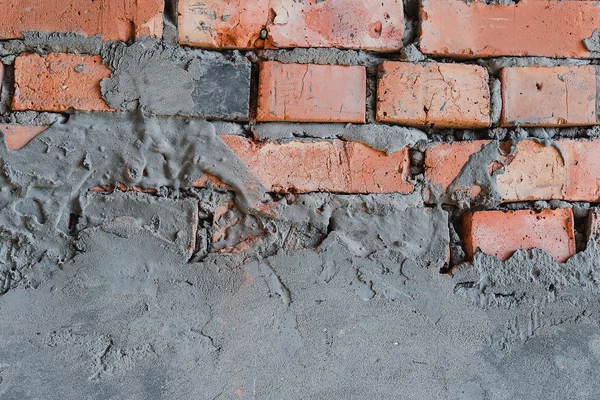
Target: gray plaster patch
[
  {"x": 165, "y": 80},
  {"x": 389, "y": 139},
  {"x": 55, "y": 168}
]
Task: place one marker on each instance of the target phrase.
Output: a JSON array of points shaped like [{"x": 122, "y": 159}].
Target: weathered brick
[
  {"x": 433, "y": 94},
  {"x": 311, "y": 93},
  {"x": 556, "y": 96},
  {"x": 501, "y": 233},
  {"x": 17, "y": 136},
  {"x": 58, "y": 82},
  {"x": 550, "y": 28},
  {"x": 115, "y": 20},
  {"x": 352, "y": 24},
  {"x": 568, "y": 170},
  {"x": 445, "y": 161},
  {"x": 222, "y": 24},
  {"x": 332, "y": 166}
]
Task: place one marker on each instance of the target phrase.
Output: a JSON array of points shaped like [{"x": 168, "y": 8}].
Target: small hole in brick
[{"x": 539, "y": 86}]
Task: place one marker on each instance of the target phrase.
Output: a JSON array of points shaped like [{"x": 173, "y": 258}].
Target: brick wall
[{"x": 505, "y": 98}]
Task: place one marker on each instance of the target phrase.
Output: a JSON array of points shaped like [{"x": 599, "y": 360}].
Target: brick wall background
[{"x": 435, "y": 131}]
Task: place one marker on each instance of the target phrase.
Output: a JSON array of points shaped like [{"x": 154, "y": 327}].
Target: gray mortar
[{"x": 389, "y": 139}]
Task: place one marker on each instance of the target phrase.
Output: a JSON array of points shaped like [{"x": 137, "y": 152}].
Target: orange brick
[
  {"x": 349, "y": 24},
  {"x": 335, "y": 166},
  {"x": 352, "y": 24},
  {"x": 17, "y": 136},
  {"x": 311, "y": 93},
  {"x": 58, "y": 82},
  {"x": 550, "y": 28},
  {"x": 500, "y": 233},
  {"x": 433, "y": 94},
  {"x": 538, "y": 172},
  {"x": 532, "y": 172},
  {"x": 556, "y": 96},
  {"x": 115, "y": 19},
  {"x": 444, "y": 162},
  {"x": 225, "y": 24}
]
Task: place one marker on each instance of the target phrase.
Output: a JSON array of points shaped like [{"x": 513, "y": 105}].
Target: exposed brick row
[
  {"x": 350, "y": 167},
  {"x": 438, "y": 95},
  {"x": 454, "y": 28}
]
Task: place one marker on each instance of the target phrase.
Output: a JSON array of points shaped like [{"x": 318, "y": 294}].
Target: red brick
[
  {"x": 350, "y": 24},
  {"x": 335, "y": 166},
  {"x": 311, "y": 93},
  {"x": 433, "y": 94},
  {"x": 538, "y": 172},
  {"x": 115, "y": 19},
  {"x": 444, "y": 162},
  {"x": 353, "y": 24},
  {"x": 548, "y": 28},
  {"x": 556, "y": 96},
  {"x": 58, "y": 82},
  {"x": 532, "y": 172},
  {"x": 500, "y": 233},
  {"x": 223, "y": 24},
  {"x": 17, "y": 136}
]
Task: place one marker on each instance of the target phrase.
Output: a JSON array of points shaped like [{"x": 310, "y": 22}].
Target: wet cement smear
[{"x": 326, "y": 296}]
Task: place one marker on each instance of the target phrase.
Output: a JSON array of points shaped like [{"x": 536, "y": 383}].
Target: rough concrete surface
[{"x": 343, "y": 298}]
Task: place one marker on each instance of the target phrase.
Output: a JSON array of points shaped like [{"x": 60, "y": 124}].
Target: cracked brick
[
  {"x": 549, "y": 96},
  {"x": 311, "y": 93},
  {"x": 472, "y": 29},
  {"x": 58, "y": 82},
  {"x": 433, "y": 94},
  {"x": 324, "y": 166}
]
